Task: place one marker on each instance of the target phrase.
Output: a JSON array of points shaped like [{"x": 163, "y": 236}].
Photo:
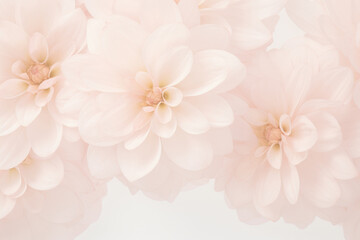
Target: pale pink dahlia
[
  {"x": 153, "y": 98},
  {"x": 236, "y": 24},
  {"x": 35, "y": 39},
  {"x": 334, "y": 22},
  {"x": 291, "y": 153},
  {"x": 41, "y": 213}
]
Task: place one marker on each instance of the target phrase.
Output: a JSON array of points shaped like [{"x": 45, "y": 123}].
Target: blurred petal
[
  {"x": 38, "y": 48},
  {"x": 141, "y": 161},
  {"x": 102, "y": 162},
  {"x": 13, "y": 88},
  {"x": 43, "y": 174},
  {"x": 191, "y": 119},
  {"x": 14, "y": 148},
  {"x": 303, "y": 135},
  {"x": 188, "y": 151},
  {"x": 44, "y": 134}
]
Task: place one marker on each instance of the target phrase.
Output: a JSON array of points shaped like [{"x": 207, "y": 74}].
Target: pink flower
[
  {"x": 239, "y": 25},
  {"x": 61, "y": 212},
  {"x": 291, "y": 148},
  {"x": 154, "y": 97},
  {"x": 334, "y": 22},
  {"x": 32, "y": 50}
]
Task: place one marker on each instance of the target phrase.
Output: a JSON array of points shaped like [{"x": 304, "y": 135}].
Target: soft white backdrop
[{"x": 199, "y": 214}]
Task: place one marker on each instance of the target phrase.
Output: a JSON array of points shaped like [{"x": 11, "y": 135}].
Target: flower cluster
[{"x": 169, "y": 94}]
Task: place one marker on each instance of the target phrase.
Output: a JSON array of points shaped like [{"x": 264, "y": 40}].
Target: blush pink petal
[
  {"x": 13, "y": 88},
  {"x": 268, "y": 187},
  {"x": 164, "y": 130},
  {"x": 15, "y": 41},
  {"x": 206, "y": 74},
  {"x": 303, "y": 136},
  {"x": 67, "y": 37},
  {"x": 10, "y": 181},
  {"x": 102, "y": 162},
  {"x": 120, "y": 42},
  {"x": 6, "y": 205},
  {"x": 14, "y": 148},
  {"x": 38, "y": 48},
  {"x": 342, "y": 166},
  {"x": 44, "y": 134},
  {"x": 328, "y": 130},
  {"x": 173, "y": 66},
  {"x": 162, "y": 40},
  {"x": 274, "y": 155},
  {"x": 44, "y": 96},
  {"x": 194, "y": 154},
  {"x": 91, "y": 72},
  {"x": 43, "y": 174},
  {"x": 191, "y": 119},
  {"x": 46, "y": 14},
  {"x": 290, "y": 182},
  {"x": 137, "y": 139},
  {"x": 26, "y": 109},
  {"x": 165, "y": 11},
  {"x": 209, "y": 36},
  {"x": 216, "y": 109},
  {"x": 138, "y": 163}
]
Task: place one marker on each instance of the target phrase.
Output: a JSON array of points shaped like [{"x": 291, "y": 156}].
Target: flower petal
[
  {"x": 285, "y": 124},
  {"x": 6, "y": 205},
  {"x": 191, "y": 119},
  {"x": 207, "y": 73},
  {"x": 218, "y": 112},
  {"x": 173, "y": 66},
  {"x": 42, "y": 174},
  {"x": 44, "y": 96},
  {"x": 274, "y": 156},
  {"x": 44, "y": 134},
  {"x": 162, "y": 40},
  {"x": 328, "y": 130},
  {"x": 342, "y": 166},
  {"x": 290, "y": 182},
  {"x": 189, "y": 152},
  {"x": 13, "y": 88},
  {"x": 91, "y": 72},
  {"x": 303, "y": 135},
  {"x": 10, "y": 181},
  {"x": 38, "y": 48},
  {"x": 13, "y": 41},
  {"x": 164, "y": 130},
  {"x": 209, "y": 36},
  {"x": 14, "y": 148},
  {"x": 163, "y": 113},
  {"x": 67, "y": 37},
  {"x": 46, "y": 14},
  {"x": 165, "y": 12},
  {"x": 268, "y": 186},
  {"x": 172, "y": 96},
  {"x": 141, "y": 161},
  {"x": 102, "y": 162},
  {"x": 136, "y": 140},
  {"x": 293, "y": 157},
  {"x": 26, "y": 109}
]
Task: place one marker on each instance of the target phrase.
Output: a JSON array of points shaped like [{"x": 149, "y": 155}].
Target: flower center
[
  {"x": 272, "y": 134},
  {"x": 37, "y": 73},
  {"x": 154, "y": 97}
]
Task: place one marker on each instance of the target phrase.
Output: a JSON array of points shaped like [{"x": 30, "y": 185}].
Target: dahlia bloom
[
  {"x": 292, "y": 153},
  {"x": 36, "y": 37},
  {"x": 239, "y": 25},
  {"x": 334, "y": 22},
  {"x": 154, "y": 97},
  {"x": 41, "y": 213}
]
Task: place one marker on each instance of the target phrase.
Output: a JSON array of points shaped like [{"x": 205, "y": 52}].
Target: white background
[{"x": 195, "y": 215}]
